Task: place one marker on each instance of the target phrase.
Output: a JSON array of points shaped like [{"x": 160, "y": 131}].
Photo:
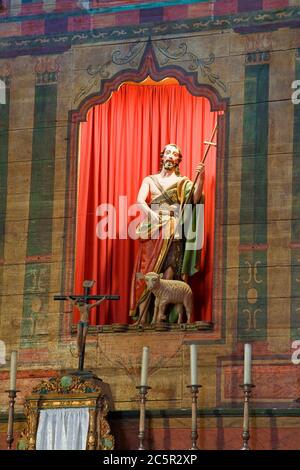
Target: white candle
[
  {"x": 193, "y": 352},
  {"x": 145, "y": 363},
  {"x": 13, "y": 371},
  {"x": 247, "y": 364}
]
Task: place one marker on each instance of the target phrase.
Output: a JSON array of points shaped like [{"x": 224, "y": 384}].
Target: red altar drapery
[{"x": 120, "y": 145}]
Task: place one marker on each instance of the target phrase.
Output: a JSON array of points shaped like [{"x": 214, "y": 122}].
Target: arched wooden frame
[
  {"x": 148, "y": 68},
  {"x": 70, "y": 391}
]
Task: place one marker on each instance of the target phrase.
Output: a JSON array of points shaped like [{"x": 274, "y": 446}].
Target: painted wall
[{"x": 44, "y": 63}]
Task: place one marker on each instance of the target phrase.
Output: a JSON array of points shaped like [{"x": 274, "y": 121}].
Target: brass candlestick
[
  {"x": 11, "y": 410},
  {"x": 247, "y": 388},
  {"x": 194, "y": 432},
  {"x": 143, "y": 390}
]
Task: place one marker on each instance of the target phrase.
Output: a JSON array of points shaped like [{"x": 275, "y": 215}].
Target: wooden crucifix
[{"x": 84, "y": 307}]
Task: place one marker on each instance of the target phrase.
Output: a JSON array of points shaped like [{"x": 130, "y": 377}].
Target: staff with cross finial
[
  {"x": 84, "y": 307},
  {"x": 209, "y": 144}
]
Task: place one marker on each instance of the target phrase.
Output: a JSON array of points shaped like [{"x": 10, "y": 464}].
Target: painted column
[
  {"x": 4, "y": 127},
  {"x": 39, "y": 239},
  {"x": 4, "y": 133},
  {"x": 252, "y": 304},
  {"x": 295, "y": 223}
]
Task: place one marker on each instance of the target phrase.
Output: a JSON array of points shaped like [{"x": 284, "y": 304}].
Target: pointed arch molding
[{"x": 149, "y": 66}]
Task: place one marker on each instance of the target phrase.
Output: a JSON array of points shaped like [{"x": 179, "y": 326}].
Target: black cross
[{"x": 85, "y": 299}]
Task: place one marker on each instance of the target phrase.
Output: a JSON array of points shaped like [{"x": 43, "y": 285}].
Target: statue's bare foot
[
  {"x": 139, "y": 323},
  {"x": 161, "y": 318}
]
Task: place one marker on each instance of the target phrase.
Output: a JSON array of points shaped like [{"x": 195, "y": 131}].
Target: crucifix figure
[
  {"x": 83, "y": 324},
  {"x": 84, "y": 307}
]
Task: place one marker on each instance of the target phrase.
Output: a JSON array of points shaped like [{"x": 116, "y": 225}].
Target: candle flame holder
[
  {"x": 247, "y": 389},
  {"x": 194, "y": 433},
  {"x": 143, "y": 390},
  {"x": 11, "y": 411}
]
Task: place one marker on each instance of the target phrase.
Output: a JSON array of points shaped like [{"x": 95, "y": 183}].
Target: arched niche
[{"x": 149, "y": 70}]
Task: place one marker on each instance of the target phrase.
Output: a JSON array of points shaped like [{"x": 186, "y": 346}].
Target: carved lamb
[{"x": 168, "y": 292}]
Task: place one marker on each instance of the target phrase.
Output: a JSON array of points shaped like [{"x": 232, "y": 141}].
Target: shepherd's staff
[{"x": 209, "y": 143}]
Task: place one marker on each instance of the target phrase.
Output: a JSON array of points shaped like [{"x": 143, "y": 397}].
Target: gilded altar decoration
[
  {"x": 69, "y": 391},
  {"x": 66, "y": 384}
]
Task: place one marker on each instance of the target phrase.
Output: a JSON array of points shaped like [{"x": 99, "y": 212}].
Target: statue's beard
[{"x": 169, "y": 165}]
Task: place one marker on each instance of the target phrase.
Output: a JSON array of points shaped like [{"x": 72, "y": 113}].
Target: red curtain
[{"x": 120, "y": 145}]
